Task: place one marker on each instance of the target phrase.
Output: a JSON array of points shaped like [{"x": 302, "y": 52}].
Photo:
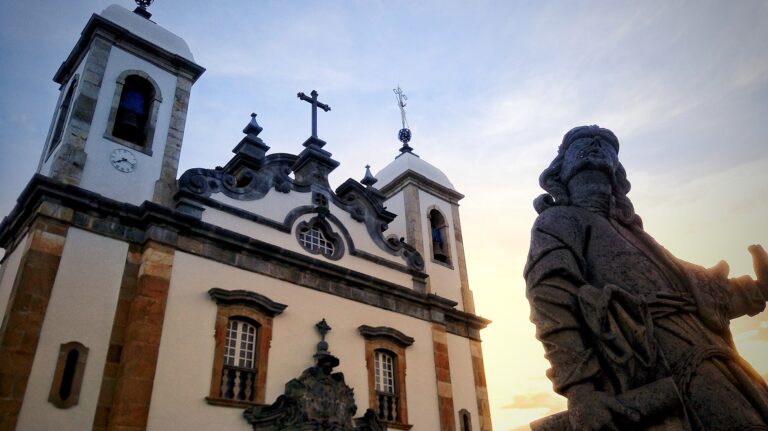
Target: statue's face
[{"x": 589, "y": 153}]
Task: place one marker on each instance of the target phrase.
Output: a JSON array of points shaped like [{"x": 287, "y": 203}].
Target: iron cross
[{"x": 315, "y": 104}]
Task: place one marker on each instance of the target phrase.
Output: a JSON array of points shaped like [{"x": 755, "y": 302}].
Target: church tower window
[
  {"x": 58, "y": 131},
  {"x": 134, "y": 111},
  {"x": 439, "y": 237}
]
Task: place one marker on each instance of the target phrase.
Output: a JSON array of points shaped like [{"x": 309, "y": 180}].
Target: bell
[
  {"x": 127, "y": 125},
  {"x": 438, "y": 253}
]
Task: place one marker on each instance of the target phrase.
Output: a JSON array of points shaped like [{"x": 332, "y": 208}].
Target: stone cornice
[
  {"x": 386, "y": 333},
  {"x": 44, "y": 197},
  {"x": 247, "y": 298},
  {"x": 422, "y": 182},
  {"x": 117, "y": 35}
]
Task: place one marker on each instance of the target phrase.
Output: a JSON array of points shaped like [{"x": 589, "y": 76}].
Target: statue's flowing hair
[{"x": 557, "y": 192}]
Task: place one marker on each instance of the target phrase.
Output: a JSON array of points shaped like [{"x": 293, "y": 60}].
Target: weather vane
[
  {"x": 404, "y": 135},
  {"x": 142, "y": 9}
]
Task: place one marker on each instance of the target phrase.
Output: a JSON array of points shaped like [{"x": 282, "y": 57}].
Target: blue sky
[{"x": 492, "y": 87}]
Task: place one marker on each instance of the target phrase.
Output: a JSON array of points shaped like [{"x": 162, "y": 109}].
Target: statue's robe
[{"x": 615, "y": 309}]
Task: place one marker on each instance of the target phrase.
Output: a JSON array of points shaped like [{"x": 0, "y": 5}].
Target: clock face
[{"x": 122, "y": 160}]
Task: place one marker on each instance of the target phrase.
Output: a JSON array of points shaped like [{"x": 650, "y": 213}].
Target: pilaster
[
  {"x": 138, "y": 362},
  {"x": 443, "y": 375},
  {"x": 26, "y": 310},
  {"x": 69, "y": 159},
  {"x": 128, "y": 287},
  {"x": 467, "y": 300},
  {"x": 165, "y": 186},
  {"x": 481, "y": 388}
]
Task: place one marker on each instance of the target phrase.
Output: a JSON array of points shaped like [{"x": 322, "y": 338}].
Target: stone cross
[{"x": 315, "y": 104}]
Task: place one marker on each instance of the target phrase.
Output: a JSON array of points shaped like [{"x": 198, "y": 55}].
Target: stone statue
[{"x": 636, "y": 338}]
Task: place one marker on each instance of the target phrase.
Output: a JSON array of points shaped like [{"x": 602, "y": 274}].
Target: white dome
[
  {"x": 147, "y": 30},
  {"x": 410, "y": 162}
]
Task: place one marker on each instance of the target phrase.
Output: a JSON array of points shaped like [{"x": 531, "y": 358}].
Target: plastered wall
[
  {"x": 81, "y": 308},
  {"x": 186, "y": 351}
]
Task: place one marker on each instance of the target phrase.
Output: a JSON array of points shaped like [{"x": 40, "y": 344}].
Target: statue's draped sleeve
[{"x": 553, "y": 275}]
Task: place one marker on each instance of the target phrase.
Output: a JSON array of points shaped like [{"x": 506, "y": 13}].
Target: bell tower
[{"x": 119, "y": 122}]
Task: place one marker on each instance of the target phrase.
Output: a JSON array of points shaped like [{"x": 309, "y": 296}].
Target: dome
[
  {"x": 410, "y": 162},
  {"x": 147, "y": 30}
]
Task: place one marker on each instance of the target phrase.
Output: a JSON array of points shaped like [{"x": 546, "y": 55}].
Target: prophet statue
[{"x": 627, "y": 326}]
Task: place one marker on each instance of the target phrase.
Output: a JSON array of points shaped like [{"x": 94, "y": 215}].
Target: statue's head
[{"x": 593, "y": 148}]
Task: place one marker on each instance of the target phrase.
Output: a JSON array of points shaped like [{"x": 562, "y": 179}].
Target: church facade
[{"x": 135, "y": 300}]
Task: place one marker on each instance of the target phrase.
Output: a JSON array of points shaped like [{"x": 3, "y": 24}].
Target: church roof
[
  {"x": 408, "y": 161},
  {"x": 147, "y": 30}
]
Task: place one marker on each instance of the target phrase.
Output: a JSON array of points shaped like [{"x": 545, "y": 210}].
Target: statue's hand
[
  {"x": 598, "y": 411},
  {"x": 760, "y": 263}
]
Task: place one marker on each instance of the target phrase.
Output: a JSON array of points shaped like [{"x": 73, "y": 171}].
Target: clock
[{"x": 122, "y": 160}]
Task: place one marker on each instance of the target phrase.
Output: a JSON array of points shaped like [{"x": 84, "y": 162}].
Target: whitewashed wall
[{"x": 187, "y": 347}]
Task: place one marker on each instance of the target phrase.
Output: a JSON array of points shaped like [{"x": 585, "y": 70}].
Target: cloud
[
  {"x": 538, "y": 400},
  {"x": 761, "y": 333}
]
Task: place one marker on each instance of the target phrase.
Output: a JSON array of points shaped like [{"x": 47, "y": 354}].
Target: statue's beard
[{"x": 593, "y": 164}]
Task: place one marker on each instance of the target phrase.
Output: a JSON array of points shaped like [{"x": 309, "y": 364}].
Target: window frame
[
  {"x": 395, "y": 343},
  {"x": 75, "y": 377},
  {"x": 445, "y": 233},
  {"x": 465, "y": 420},
  {"x": 154, "y": 108},
  {"x": 257, "y": 310},
  {"x": 321, "y": 224},
  {"x": 61, "y": 117}
]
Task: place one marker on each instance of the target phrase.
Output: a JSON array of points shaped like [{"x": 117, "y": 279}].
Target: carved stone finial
[
  {"x": 369, "y": 180},
  {"x": 253, "y": 128}
]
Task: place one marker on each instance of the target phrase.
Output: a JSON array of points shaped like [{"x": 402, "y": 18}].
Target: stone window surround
[
  {"x": 465, "y": 420},
  {"x": 69, "y": 95},
  {"x": 393, "y": 342},
  {"x": 151, "y": 120},
  {"x": 76, "y": 379},
  {"x": 249, "y": 306},
  {"x": 446, "y": 238},
  {"x": 322, "y": 224}
]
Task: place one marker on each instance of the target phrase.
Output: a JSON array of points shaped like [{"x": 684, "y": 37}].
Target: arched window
[
  {"x": 134, "y": 111},
  {"x": 466, "y": 420},
  {"x": 439, "y": 235},
  {"x": 238, "y": 375},
  {"x": 68, "y": 376},
  {"x": 61, "y": 118}
]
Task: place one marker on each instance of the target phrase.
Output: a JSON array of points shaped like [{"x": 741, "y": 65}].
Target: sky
[{"x": 492, "y": 87}]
